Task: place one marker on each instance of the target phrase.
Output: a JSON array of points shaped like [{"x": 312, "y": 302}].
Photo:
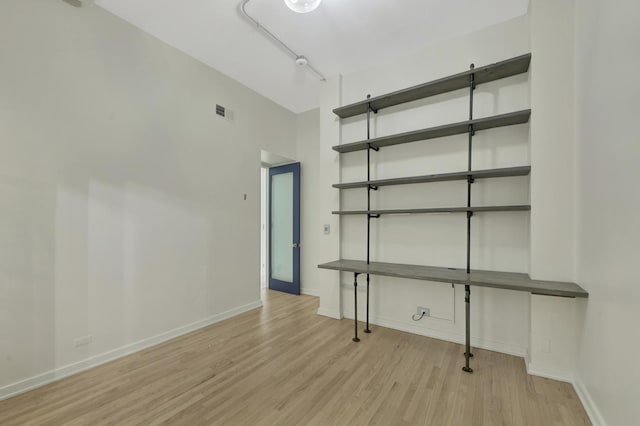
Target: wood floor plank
[{"x": 282, "y": 365}]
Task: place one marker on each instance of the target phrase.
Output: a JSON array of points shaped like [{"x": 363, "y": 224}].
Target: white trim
[
  {"x": 310, "y": 292},
  {"x": 583, "y": 394},
  {"x": 585, "y": 398},
  {"x": 57, "y": 374},
  {"x": 331, "y": 313},
  {"x": 449, "y": 336},
  {"x": 71, "y": 369},
  {"x": 589, "y": 406},
  {"x": 535, "y": 370}
]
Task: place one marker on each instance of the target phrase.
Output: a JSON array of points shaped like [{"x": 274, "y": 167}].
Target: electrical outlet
[
  {"x": 421, "y": 311},
  {"x": 82, "y": 341}
]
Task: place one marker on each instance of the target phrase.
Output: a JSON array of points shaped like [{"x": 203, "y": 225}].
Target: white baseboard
[
  {"x": 59, "y": 373},
  {"x": 449, "y": 336},
  {"x": 536, "y": 370},
  {"x": 331, "y": 313},
  {"x": 310, "y": 292},
  {"x": 585, "y": 398},
  {"x": 77, "y": 367},
  {"x": 589, "y": 406}
]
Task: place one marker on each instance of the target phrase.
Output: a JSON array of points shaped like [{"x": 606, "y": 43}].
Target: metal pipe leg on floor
[
  {"x": 355, "y": 307},
  {"x": 367, "y": 330},
  {"x": 467, "y": 354}
]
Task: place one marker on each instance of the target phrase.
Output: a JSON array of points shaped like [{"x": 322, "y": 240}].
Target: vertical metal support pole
[
  {"x": 469, "y": 214},
  {"x": 467, "y": 304},
  {"x": 355, "y": 307},
  {"x": 368, "y": 118},
  {"x": 472, "y": 86},
  {"x": 467, "y": 288},
  {"x": 367, "y": 330}
]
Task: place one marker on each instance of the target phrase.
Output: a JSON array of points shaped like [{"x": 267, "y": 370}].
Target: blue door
[{"x": 284, "y": 228}]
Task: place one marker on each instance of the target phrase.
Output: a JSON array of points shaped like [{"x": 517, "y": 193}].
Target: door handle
[{"x": 295, "y": 245}]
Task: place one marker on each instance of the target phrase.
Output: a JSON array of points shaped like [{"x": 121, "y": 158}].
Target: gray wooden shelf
[
  {"x": 508, "y": 119},
  {"x": 441, "y": 177},
  {"x": 437, "y": 210},
  {"x": 485, "y": 74},
  {"x": 503, "y": 280}
]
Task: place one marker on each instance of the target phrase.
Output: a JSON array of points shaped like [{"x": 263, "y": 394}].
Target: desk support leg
[
  {"x": 467, "y": 302},
  {"x": 355, "y": 306},
  {"x": 367, "y": 330}
]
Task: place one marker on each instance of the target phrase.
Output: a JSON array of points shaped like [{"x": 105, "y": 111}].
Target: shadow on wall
[{"x": 88, "y": 269}]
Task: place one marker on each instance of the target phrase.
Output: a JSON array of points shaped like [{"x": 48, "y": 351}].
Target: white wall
[
  {"x": 552, "y": 348},
  {"x": 122, "y": 210},
  {"x": 307, "y": 152},
  {"x": 500, "y": 241},
  {"x": 608, "y": 150},
  {"x": 584, "y": 224},
  {"x": 552, "y": 140},
  {"x": 329, "y": 198}
]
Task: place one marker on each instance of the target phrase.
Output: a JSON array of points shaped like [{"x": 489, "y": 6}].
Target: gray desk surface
[{"x": 504, "y": 280}]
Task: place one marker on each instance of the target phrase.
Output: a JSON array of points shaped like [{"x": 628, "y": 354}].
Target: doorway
[
  {"x": 284, "y": 228},
  {"x": 280, "y": 224}
]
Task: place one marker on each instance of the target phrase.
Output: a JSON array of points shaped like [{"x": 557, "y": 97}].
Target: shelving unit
[
  {"x": 509, "y": 119},
  {"x": 438, "y": 210},
  {"x": 507, "y": 68},
  {"x": 440, "y": 177},
  {"x": 467, "y": 277}
]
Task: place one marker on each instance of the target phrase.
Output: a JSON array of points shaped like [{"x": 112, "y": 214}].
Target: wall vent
[{"x": 220, "y": 110}]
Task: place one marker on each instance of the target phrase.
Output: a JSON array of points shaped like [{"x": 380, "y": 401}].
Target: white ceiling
[{"x": 341, "y": 36}]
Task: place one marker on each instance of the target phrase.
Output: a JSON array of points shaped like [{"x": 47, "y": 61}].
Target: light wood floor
[{"x": 283, "y": 364}]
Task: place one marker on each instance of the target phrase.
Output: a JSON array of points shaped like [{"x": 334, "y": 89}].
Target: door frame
[{"x": 272, "y": 283}]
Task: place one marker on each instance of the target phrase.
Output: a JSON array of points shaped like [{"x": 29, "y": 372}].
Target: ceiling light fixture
[{"x": 302, "y": 6}]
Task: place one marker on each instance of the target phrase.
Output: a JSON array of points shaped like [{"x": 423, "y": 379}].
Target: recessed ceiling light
[{"x": 302, "y": 6}]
